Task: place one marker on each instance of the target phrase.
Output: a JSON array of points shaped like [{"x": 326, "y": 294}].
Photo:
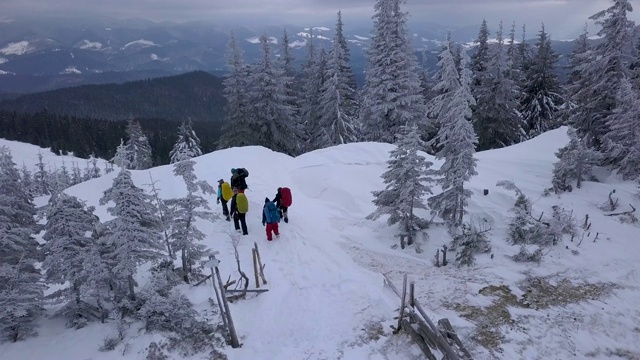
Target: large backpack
[
  {"x": 243, "y": 172},
  {"x": 242, "y": 203},
  {"x": 227, "y": 193},
  {"x": 271, "y": 212},
  {"x": 285, "y": 194}
]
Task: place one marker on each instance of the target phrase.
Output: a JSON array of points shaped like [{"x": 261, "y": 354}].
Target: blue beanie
[{"x": 233, "y": 171}]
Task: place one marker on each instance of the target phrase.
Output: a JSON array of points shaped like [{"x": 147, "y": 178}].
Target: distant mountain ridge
[
  {"x": 195, "y": 95},
  {"x": 38, "y": 55}
]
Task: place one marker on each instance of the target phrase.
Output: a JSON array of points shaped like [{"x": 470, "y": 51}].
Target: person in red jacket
[{"x": 283, "y": 201}]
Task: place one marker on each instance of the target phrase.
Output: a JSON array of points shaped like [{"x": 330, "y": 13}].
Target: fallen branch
[{"x": 633, "y": 209}]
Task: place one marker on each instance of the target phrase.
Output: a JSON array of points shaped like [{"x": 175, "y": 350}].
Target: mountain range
[{"x": 42, "y": 54}]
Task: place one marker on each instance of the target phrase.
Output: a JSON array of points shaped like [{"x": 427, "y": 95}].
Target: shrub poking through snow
[
  {"x": 524, "y": 255},
  {"x": 471, "y": 241},
  {"x": 575, "y": 163}
]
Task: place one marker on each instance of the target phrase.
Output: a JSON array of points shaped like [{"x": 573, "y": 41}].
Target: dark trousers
[
  {"x": 283, "y": 212},
  {"x": 225, "y": 208},
  {"x": 240, "y": 219}
]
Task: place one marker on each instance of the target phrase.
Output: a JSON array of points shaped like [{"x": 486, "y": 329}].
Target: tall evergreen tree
[
  {"x": 21, "y": 288},
  {"x": 133, "y": 234},
  {"x": 41, "y": 178},
  {"x": 272, "y": 112},
  {"x": 408, "y": 179},
  {"x": 183, "y": 213},
  {"x": 575, "y": 162},
  {"x": 239, "y": 129},
  {"x": 497, "y": 120},
  {"x": 313, "y": 75},
  {"x": 188, "y": 144},
  {"x": 602, "y": 71},
  {"x": 391, "y": 97},
  {"x": 68, "y": 245},
  {"x": 338, "y": 98},
  {"x": 286, "y": 62},
  {"x": 622, "y": 142},
  {"x": 458, "y": 142},
  {"x": 138, "y": 148},
  {"x": 541, "y": 101}
]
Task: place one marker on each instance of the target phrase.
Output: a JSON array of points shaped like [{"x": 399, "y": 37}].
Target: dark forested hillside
[
  {"x": 196, "y": 95},
  {"x": 84, "y": 136}
]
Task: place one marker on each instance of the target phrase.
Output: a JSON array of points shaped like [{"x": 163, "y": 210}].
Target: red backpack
[{"x": 285, "y": 194}]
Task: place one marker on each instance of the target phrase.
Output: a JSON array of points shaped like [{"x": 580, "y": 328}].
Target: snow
[
  {"x": 18, "y": 48},
  {"x": 27, "y": 154},
  {"x": 471, "y": 44},
  {"x": 140, "y": 43},
  {"x": 318, "y": 28},
  {"x": 324, "y": 272},
  {"x": 71, "y": 70},
  {"x": 256, "y": 40},
  {"x": 3, "y": 60},
  {"x": 2, "y": 72},
  {"x": 89, "y": 45},
  {"x": 360, "y": 37},
  {"x": 298, "y": 44}
]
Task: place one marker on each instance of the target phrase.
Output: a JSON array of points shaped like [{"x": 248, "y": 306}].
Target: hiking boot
[
  {"x": 286, "y": 220},
  {"x": 228, "y": 218}
]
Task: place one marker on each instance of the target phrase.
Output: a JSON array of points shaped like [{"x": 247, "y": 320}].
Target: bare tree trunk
[{"x": 185, "y": 270}]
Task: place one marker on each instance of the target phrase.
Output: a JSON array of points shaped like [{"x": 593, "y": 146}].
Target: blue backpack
[{"x": 271, "y": 213}]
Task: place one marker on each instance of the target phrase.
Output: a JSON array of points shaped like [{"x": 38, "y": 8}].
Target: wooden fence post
[
  {"x": 411, "y": 293},
  {"x": 402, "y": 301},
  {"x": 264, "y": 280},
  {"x": 255, "y": 267}
]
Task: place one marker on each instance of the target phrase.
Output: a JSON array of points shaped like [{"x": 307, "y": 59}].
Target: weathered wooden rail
[{"x": 415, "y": 321}]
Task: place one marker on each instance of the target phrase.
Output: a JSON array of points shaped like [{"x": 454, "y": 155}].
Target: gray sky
[{"x": 561, "y": 17}]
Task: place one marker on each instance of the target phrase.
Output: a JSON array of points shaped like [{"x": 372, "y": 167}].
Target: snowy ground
[{"x": 324, "y": 272}]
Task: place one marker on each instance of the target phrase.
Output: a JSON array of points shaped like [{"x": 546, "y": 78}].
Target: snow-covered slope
[{"x": 324, "y": 272}]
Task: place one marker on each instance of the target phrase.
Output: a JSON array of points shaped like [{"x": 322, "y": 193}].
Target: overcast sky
[{"x": 561, "y": 17}]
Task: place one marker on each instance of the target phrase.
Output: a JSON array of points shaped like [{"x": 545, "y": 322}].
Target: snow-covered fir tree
[
  {"x": 138, "y": 148},
  {"x": 458, "y": 142},
  {"x": 313, "y": 78},
  {"x": 21, "y": 287},
  {"x": 497, "y": 121},
  {"x": 447, "y": 82},
  {"x": 286, "y": 62},
  {"x": 183, "y": 213},
  {"x": 239, "y": 128},
  {"x": 575, "y": 162},
  {"x": 602, "y": 74},
  {"x": 68, "y": 245},
  {"x": 92, "y": 170},
  {"x": 133, "y": 235},
  {"x": 622, "y": 142},
  {"x": 541, "y": 99},
  {"x": 26, "y": 179},
  {"x": 481, "y": 81},
  {"x": 41, "y": 178},
  {"x": 271, "y": 111},
  {"x": 407, "y": 180},
  {"x": 338, "y": 107},
  {"x": 96, "y": 287},
  {"x": 391, "y": 96},
  {"x": 76, "y": 174},
  {"x": 188, "y": 144}
]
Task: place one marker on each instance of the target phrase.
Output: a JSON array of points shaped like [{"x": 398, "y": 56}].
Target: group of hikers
[{"x": 272, "y": 211}]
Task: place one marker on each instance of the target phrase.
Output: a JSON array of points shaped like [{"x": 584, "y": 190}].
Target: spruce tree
[
  {"x": 458, "y": 142},
  {"x": 497, "y": 121},
  {"x": 407, "y": 180},
  {"x": 272, "y": 113},
  {"x": 575, "y": 162},
  {"x": 21, "y": 287},
  {"x": 68, "y": 245},
  {"x": 622, "y": 142},
  {"x": 239, "y": 128},
  {"x": 133, "y": 234},
  {"x": 602, "y": 74},
  {"x": 313, "y": 77},
  {"x": 338, "y": 104},
  {"x": 541, "y": 101},
  {"x": 184, "y": 236},
  {"x": 138, "y": 148},
  {"x": 41, "y": 178},
  {"x": 391, "y": 97},
  {"x": 188, "y": 144}
]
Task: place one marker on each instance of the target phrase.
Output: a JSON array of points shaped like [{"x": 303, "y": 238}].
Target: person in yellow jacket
[
  {"x": 239, "y": 208},
  {"x": 224, "y": 195}
]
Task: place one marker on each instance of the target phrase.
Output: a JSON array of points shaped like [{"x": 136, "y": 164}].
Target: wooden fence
[{"x": 414, "y": 320}]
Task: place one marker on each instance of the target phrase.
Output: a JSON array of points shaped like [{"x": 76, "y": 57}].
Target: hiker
[
  {"x": 239, "y": 208},
  {"x": 224, "y": 195},
  {"x": 283, "y": 202},
  {"x": 270, "y": 218},
  {"x": 238, "y": 179}
]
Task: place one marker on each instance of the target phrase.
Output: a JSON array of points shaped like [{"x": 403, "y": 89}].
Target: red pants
[{"x": 272, "y": 227}]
